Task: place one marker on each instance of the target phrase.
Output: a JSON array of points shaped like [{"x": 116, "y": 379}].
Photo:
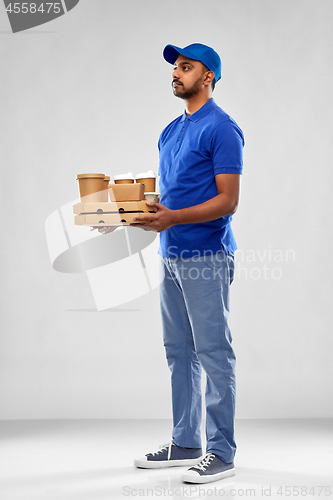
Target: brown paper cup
[
  {"x": 105, "y": 187},
  {"x": 149, "y": 183},
  {"x": 124, "y": 181},
  {"x": 91, "y": 187}
]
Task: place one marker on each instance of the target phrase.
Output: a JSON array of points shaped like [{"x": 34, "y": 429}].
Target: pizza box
[
  {"x": 112, "y": 206},
  {"x": 114, "y": 219}
]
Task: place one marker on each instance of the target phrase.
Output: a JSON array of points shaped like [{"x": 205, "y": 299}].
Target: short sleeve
[{"x": 227, "y": 144}]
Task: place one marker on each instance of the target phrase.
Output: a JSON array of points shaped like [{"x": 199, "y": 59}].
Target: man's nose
[{"x": 175, "y": 74}]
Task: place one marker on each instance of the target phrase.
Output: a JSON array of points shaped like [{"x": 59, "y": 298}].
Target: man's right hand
[
  {"x": 104, "y": 229},
  {"x": 110, "y": 229}
]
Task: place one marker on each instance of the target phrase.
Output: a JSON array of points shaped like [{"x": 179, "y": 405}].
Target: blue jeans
[{"x": 194, "y": 297}]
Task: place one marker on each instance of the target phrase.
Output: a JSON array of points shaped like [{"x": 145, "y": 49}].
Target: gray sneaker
[
  {"x": 211, "y": 468},
  {"x": 170, "y": 455}
]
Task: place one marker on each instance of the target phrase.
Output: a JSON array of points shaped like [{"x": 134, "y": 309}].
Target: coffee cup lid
[
  {"x": 145, "y": 175},
  {"x": 129, "y": 175}
]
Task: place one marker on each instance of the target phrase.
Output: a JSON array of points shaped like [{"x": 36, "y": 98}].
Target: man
[{"x": 200, "y": 167}]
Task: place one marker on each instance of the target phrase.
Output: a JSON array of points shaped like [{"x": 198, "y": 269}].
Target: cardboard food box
[
  {"x": 106, "y": 219},
  {"x": 126, "y": 192},
  {"x": 112, "y": 206}
]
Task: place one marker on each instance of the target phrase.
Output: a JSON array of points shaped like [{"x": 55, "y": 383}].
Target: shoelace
[
  {"x": 167, "y": 446},
  {"x": 205, "y": 462}
]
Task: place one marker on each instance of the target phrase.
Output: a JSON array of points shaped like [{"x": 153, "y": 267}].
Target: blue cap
[{"x": 198, "y": 52}]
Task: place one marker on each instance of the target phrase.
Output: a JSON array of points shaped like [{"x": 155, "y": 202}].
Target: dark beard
[{"x": 187, "y": 94}]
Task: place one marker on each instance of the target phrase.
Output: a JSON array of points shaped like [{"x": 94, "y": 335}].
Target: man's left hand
[{"x": 162, "y": 219}]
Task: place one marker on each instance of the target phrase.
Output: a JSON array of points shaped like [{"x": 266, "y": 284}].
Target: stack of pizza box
[{"x": 126, "y": 202}]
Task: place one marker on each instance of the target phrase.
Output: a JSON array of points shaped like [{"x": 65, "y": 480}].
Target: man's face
[{"x": 187, "y": 77}]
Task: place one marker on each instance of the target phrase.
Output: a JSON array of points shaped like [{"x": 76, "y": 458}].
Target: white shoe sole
[
  {"x": 161, "y": 464},
  {"x": 193, "y": 477}
]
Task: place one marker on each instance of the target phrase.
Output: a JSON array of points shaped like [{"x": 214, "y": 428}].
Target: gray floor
[{"x": 77, "y": 459}]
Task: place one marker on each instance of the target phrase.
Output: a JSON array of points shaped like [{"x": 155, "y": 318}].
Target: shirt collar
[{"x": 203, "y": 111}]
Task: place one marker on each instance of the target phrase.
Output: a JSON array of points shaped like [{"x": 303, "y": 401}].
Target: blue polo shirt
[{"x": 193, "y": 149}]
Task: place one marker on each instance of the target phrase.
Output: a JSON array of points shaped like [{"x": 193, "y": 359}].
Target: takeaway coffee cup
[
  {"x": 151, "y": 196},
  {"x": 148, "y": 179},
  {"x": 91, "y": 187},
  {"x": 105, "y": 187},
  {"x": 124, "y": 178}
]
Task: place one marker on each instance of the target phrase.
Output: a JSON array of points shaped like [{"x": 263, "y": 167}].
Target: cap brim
[{"x": 171, "y": 53}]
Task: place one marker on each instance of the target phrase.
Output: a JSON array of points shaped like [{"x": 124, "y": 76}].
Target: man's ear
[{"x": 209, "y": 77}]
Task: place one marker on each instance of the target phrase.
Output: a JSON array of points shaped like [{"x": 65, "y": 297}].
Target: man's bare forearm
[
  {"x": 212, "y": 209},
  {"x": 224, "y": 203}
]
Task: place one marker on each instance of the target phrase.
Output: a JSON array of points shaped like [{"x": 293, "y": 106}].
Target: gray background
[{"x": 90, "y": 91}]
